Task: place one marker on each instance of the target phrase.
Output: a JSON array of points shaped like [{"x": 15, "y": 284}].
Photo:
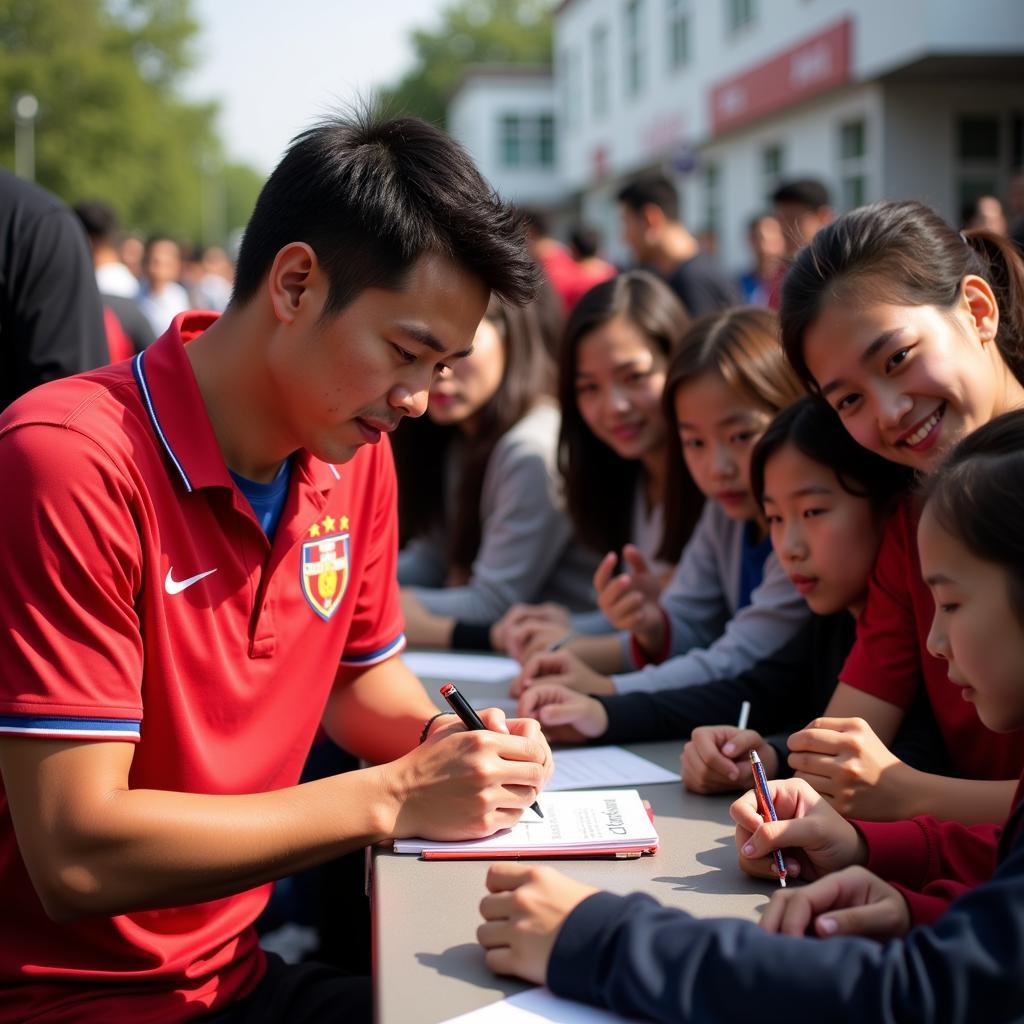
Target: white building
[
  {"x": 876, "y": 98},
  {"x": 505, "y": 117}
]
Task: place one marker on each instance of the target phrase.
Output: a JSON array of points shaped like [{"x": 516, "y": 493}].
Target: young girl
[
  {"x": 478, "y": 496},
  {"x": 729, "y": 603},
  {"x": 613, "y": 445},
  {"x": 953, "y": 908},
  {"x": 914, "y": 334},
  {"x": 826, "y": 500}
]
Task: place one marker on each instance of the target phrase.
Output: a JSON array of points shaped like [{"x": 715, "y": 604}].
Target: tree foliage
[
  {"x": 112, "y": 124},
  {"x": 470, "y": 32}
]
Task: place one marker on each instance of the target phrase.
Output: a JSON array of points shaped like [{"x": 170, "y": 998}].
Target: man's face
[
  {"x": 163, "y": 262},
  {"x": 634, "y": 232},
  {"x": 341, "y": 384},
  {"x": 799, "y": 224}
]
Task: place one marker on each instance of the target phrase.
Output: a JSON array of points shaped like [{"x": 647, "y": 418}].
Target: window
[
  {"x": 599, "y": 69},
  {"x": 527, "y": 140},
  {"x": 634, "y": 47},
  {"x": 852, "y": 149},
  {"x": 773, "y": 160},
  {"x": 739, "y": 14},
  {"x": 979, "y": 142},
  {"x": 546, "y": 140},
  {"x": 852, "y": 145},
  {"x": 678, "y": 34},
  {"x": 511, "y": 140},
  {"x": 978, "y": 138}
]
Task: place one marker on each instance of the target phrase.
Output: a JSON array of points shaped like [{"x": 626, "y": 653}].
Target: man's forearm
[
  {"x": 970, "y": 801},
  {"x": 142, "y": 849}
]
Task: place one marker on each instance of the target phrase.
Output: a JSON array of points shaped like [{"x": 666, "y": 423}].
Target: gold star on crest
[
  {"x": 314, "y": 530},
  {"x": 328, "y": 523},
  {"x": 344, "y": 522}
]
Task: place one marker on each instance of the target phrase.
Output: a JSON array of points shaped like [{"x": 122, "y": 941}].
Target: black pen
[{"x": 471, "y": 720}]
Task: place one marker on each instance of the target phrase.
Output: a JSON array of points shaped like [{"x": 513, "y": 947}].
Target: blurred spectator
[
  {"x": 652, "y": 228},
  {"x": 213, "y": 280},
  {"x": 162, "y": 297},
  {"x": 554, "y": 258},
  {"x": 801, "y": 207},
  {"x": 101, "y": 228},
  {"x": 584, "y": 244},
  {"x": 51, "y": 320},
  {"x": 764, "y": 236},
  {"x": 985, "y": 212},
  {"x": 128, "y": 331},
  {"x": 132, "y": 248}
]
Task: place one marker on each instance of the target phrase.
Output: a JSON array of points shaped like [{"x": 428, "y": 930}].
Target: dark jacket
[{"x": 641, "y": 959}]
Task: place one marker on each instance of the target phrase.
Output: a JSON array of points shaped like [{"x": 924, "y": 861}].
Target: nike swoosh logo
[{"x": 173, "y": 586}]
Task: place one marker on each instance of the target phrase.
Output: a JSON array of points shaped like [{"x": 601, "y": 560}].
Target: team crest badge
[{"x": 325, "y": 565}]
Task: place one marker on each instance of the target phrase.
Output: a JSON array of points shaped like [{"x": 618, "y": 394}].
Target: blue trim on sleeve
[
  {"x": 374, "y": 657},
  {"x": 67, "y": 726}
]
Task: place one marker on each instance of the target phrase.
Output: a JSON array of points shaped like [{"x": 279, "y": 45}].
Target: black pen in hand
[{"x": 472, "y": 721}]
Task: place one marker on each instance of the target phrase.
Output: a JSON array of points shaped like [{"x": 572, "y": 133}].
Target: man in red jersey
[{"x": 198, "y": 550}]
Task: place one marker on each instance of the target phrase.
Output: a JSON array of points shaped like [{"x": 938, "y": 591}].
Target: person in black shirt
[
  {"x": 653, "y": 230},
  {"x": 51, "y": 321}
]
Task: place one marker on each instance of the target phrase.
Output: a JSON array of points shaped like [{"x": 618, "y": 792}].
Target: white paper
[
  {"x": 590, "y": 767},
  {"x": 539, "y": 1006},
  {"x": 457, "y": 667},
  {"x": 595, "y": 820}
]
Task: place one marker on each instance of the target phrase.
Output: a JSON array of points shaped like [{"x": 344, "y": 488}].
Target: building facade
[
  {"x": 878, "y": 99},
  {"x": 505, "y": 117}
]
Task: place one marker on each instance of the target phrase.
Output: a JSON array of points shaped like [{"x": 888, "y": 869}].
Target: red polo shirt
[
  {"x": 142, "y": 602},
  {"x": 890, "y": 656}
]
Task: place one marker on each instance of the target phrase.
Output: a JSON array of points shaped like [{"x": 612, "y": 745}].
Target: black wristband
[
  {"x": 430, "y": 721},
  {"x": 471, "y": 636}
]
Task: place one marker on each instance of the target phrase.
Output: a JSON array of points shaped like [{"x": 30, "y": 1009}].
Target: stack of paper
[{"x": 591, "y": 823}]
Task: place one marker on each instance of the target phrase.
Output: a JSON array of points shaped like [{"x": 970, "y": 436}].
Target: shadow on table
[
  {"x": 466, "y": 962},
  {"x": 726, "y": 880}
]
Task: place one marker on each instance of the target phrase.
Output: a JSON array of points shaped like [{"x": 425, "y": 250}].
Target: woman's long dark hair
[
  {"x": 421, "y": 446},
  {"x": 600, "y": 485},
  {"x": 977, "y": 496},
  {"x": 741, "y": 345},
  {"x": 907, "y": 254},
  {"x": 814, "y": 429}
]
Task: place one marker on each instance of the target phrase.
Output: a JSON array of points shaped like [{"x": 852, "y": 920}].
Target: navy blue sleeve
[{"x": 638, "y": 958}]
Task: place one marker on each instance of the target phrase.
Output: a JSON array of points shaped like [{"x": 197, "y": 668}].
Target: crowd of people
[{"x": 661, "y": 490}]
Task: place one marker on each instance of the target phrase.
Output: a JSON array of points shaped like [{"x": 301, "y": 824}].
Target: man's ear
[
  {"x": 653, "y": 217},
  {"x": 294, "y": 270},
  {"x": 981, "y": 305}
]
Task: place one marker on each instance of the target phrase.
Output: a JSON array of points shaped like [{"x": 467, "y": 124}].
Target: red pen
[
  {"x": 766, "y": 808},
  {"x": 471, "y": 720}
]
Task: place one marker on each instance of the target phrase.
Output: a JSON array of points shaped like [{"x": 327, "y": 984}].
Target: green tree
[
  {"x": 471, "y": 32},
  {"x": 111, "y": 122}
]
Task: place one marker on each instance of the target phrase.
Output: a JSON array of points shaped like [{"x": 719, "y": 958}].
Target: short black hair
[
  {"x": 370, "y": 195},
  {"x": 98, "y": 218},
  {"x": 808, "y": 192},
  {"x": 651, "y": 190},
  {"x": 585, "y": 240}
]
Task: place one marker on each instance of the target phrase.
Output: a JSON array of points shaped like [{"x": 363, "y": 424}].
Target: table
[{"x": 427, "y": 964}]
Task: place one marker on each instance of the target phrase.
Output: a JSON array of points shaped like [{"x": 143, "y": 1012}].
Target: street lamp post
[{"x": 25, "y": 108}]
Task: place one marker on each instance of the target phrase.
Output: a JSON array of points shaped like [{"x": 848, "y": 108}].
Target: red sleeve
[
  {"x": 932, "y": 862},
  {"x": 71, "y": 563},
  {"x": 376, "y": 632},
  {"x": 886, "y": 657}
]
